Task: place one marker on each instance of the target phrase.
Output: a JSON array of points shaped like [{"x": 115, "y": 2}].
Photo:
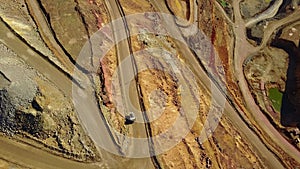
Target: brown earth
[
  {"x": 225, "y": 148},
  {"x": 72, "y": 23},
  {"x": 268, "y": 69}
]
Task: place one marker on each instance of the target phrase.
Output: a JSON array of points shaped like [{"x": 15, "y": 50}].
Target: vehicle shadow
[{"x": 290, "y": 109}]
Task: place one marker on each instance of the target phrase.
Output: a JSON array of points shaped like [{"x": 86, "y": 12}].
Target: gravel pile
[{"x": 17, "y": 90}]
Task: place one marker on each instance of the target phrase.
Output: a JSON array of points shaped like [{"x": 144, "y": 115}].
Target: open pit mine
[{"x": 133, "y": 84}]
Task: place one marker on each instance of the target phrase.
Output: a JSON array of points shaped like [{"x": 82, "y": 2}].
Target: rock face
[
  {"x": 17, "y": 91},
  {"x": 36, "y": 103},
  {"x": 33, "y": 107},
  {"x": 12, "y": 119},
  {"x": 7, "y": 113}
]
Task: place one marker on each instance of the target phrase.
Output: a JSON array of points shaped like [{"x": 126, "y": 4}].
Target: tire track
[
  {"x": 273, "y": 140},
  {"x": 230, "y": 110},
  {"x": 42, "y": 59},
  {"x": 147, "y": 125},
  {"x": 42, "y": 20}
]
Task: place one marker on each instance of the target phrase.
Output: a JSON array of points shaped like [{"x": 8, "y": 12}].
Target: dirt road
[
  {"x": 35, "y": 60},
  {"x": 242, "y": 50},
  {"x": 47, "y": 35},
  {"x": 271, "y": 159},
  {"x": 93, "y": 121},
  {"x": 36, "y": 158},
  {"x": 31, "y": 157},
  {"x": 269, "y": 13}
]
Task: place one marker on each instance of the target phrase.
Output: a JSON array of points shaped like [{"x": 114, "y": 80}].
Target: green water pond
[{"x": 276, "y": 98}]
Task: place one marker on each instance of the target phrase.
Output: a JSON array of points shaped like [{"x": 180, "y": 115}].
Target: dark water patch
[
  {"x": 284, "y": 6},
  {"x": 254, "y": 36},
  {"x": 290, "y": 109}
]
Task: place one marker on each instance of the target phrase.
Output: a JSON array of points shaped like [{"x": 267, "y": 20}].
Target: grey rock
[
  {"x": 7, "y": 113},
  {"x": 17, "y": 92}
]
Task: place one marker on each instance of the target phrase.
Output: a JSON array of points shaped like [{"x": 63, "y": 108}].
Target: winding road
[
  {"x": 48, "y": 35},
  {"x": 130, "y": 103},
  {"x": 21, "y": 153},
  {"x": 242, "y": 49},
  {"x": 233, "y": 115},
  {"x": 269, "y": 13}
]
